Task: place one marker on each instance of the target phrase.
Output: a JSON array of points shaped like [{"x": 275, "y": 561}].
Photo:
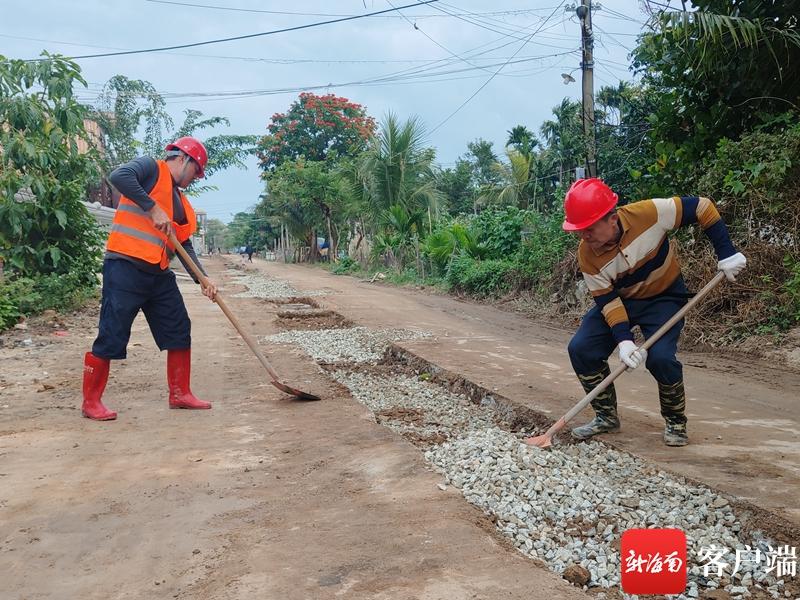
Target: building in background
[
  {"x": 199, "y": 238},
  {"x": 102, "y": 192}
]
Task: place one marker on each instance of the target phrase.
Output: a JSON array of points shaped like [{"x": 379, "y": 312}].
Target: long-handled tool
[
  {"x": 546, "y": 440},
  {"x": 235, "y": 322}
]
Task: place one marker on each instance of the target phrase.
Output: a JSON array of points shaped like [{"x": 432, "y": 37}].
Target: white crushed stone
[
  {"x": 568, "y": 505},
  {"x": 441, "y": 412},
  {"x": 350, "y": 345},
  {"x": 260, "y": 286}
]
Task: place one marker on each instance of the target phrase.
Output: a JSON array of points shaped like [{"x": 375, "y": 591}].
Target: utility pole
[{"x": 584, "y": 12}]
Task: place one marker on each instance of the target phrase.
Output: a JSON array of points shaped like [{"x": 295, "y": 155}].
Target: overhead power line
[
  {"x": 272, "y": 60},
  {"x": 514, "y": 32},
  {"x": 446, "y": 49},
  {"x": 311, "y": 14},
  {"x": 394, "y": 79},
  {"x": 251, "y": 35},
  {"x": 621, "y": 16},
  {"x": 488, "y": 81}
]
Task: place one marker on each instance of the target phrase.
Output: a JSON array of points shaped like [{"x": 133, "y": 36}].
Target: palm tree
[
  {"x": 563, "y": 135},
  {"x": 398, "y": 169},
  {"x": 399, "y": 236},
  {"x": 614, "y": 106},
  {"x": 518, "y": 184},
  {"x": 522, "y": 138}
]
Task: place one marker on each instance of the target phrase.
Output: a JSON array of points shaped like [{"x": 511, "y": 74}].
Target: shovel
[
  {"x": 300, "y": 395},
  {"x": 546, "y": 440}
]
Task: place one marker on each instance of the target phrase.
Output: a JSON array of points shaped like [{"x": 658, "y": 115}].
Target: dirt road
[
  {"x": 744, "y": 419},
  {"x": 261, "y": 497}
]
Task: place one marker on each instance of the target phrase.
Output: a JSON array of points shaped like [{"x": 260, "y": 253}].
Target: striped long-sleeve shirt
[{"x": 644, "y": 262}]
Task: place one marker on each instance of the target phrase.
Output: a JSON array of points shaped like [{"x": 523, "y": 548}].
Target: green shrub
[
  {"x": 500, "y": 230},
  {"x": 345, "y": 266},
  {"x": 545, "y": 245},
  {"x": 50, "y": 244},
  {"x": 25, "y": 296},
  {"x": 792, "y": 286},
  {"x": 480, "y": 277},
  {"x": 754, "y": 181},
  {"x": 782, "y": 305},
  {"x": 17, "y": 299},
  {"x": 448, "y": 241}
]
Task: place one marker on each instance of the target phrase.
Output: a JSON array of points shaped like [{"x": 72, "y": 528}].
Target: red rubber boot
[
  {"x": 95, "y": 376},
  {"x": 179, "y": 368}
]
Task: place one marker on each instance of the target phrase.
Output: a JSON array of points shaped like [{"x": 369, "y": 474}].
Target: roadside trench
[{"x": 566, "y": 507}]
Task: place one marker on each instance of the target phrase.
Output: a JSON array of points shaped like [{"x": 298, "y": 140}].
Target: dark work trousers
[
  {"x": 593, "y": 343},
  {"x": 126, "y": 290}
]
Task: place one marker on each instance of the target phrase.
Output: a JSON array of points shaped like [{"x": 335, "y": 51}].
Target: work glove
[
  {"x": 732, "y": 266},
  {"x": 631, "y": 355}
]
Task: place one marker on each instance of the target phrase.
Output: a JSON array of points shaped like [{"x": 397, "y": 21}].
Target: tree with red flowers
[{"x": 315, "y": 127}]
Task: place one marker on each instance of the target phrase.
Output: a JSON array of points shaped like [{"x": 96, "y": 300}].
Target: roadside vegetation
[
  {"x": 51, "y": 161},
  {"x": 713, "y": 110}
]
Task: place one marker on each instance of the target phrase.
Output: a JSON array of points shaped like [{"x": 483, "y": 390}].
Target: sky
[{"x": 467, "y": 69}]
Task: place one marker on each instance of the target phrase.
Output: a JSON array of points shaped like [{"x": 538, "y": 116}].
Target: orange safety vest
[{"x": 133, "y": 232}]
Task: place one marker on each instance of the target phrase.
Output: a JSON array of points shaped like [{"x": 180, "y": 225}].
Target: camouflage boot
[
  {"x": 673, "y": 409},
  {"x": 605, "y": 407}
]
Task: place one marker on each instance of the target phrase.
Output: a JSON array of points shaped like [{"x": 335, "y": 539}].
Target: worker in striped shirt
[{"x": 631, "y": 269}]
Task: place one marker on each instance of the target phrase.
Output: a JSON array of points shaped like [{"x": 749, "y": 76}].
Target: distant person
[
  {"x": 631, "y": 269},
  {"x": 249, "y": 251},
  {"x": 136, "y": 273},
  {"x": 324, "y": 250}
]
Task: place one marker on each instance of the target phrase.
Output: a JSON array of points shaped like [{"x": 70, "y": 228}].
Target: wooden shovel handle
[
  {"x": 223, "y": 305},
  {"x": 648, "y": 343}
]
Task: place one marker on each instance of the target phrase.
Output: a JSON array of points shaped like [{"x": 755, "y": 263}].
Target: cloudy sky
[{"x": 426, "y": 61}]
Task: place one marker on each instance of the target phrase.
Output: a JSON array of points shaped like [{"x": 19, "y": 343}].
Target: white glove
[
  {"x": 732, "y": 266},
  {"x": 631, "y": 355}
]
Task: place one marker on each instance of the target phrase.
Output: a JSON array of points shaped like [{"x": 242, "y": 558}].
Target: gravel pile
[
  {"x": 438, "y": 412},
  {"x": 567, "y": 506},
  {"x": 353, "y": 345},
  {"x": 259, "y": 286}
]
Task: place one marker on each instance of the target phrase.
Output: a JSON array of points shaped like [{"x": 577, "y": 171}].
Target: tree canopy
[
  {"x": 44, "y": 227},
  {"x": 315, "y": 127}
]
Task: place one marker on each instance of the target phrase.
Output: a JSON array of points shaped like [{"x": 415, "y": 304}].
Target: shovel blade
[
  {"x": 540, "y": 441},
  {"x": 299, "y": 394}
]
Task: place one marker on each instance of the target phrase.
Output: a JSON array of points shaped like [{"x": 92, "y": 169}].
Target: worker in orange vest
[{"x": 136, "y": 273}]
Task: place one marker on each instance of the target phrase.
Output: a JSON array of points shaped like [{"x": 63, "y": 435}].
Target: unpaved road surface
[
  {"x": 260, "y": 497},
  {"x": 266, "y": 497},
  {"x": 744, "y": 418}
]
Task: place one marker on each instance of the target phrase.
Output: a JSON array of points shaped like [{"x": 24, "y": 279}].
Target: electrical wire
[
  {"x": 202, "y": 97},
  {"x": 675, "y": 8},
  {"x": 244, "y": 37},
  {"x": 417, "y": 28},
  {"x": 611, "y": 37},
  {"x": 622, "y": 16},
  {"x": 483, "y": 25},
  {"x": 488, "y": 81},
  {"x": 277, "y": 61},
  {"x": 378, "y": 79},
  {"x": 305, "y": 14}
]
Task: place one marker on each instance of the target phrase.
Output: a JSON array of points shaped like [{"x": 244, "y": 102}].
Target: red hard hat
[
  {"x": 194, "y": 148},
  {"x": 586, "y": 202}
]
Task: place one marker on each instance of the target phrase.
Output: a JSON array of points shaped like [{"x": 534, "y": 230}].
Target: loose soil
[
  {"x": 266, "y": 497},
  {"x": 744, "y": 418},
  {"x": 260, "y": 497}
]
